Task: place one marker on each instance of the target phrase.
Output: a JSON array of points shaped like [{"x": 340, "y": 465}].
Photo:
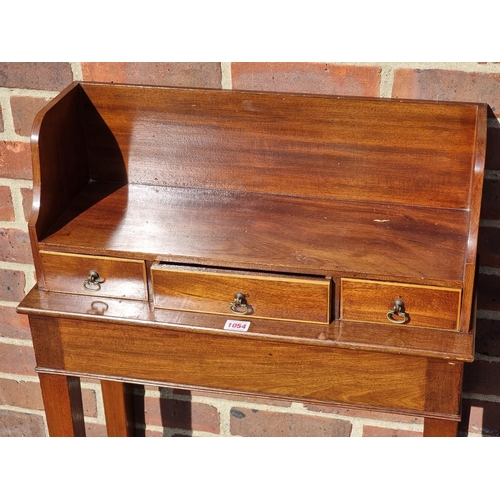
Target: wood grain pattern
[
  {"x": 232, "y": 140},
  {"x": 365, "y": 192},
  {"x": 60, "y": 168},
  {"x": 212, "y": 291},
  {"x": 467, "y": 320},
  {"x": 62, "y": 400},
  {"x": 237, "y": 363},
  {"x": 437, "y": 372},
  {"x": 120, "y": 277},
  {"x": 118, "y": 408},
  {"x": 392, "y": 339},
  {"x": 57, "y": 141},
  {"x": 434, "y": 427},
  {"x": 274, "y": 233},
  {"x": 433, "y": 307}
]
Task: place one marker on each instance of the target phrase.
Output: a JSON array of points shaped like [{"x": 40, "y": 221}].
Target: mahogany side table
[{"x": 302, "y": 247}]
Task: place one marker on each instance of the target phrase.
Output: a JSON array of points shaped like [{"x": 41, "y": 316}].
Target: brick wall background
[{"x": 26, "y": 87}]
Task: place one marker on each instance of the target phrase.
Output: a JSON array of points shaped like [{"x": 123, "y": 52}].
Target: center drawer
[{"x": 271, "y": 296}]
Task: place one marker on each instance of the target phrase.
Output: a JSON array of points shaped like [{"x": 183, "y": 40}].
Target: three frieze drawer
[
  {"x": 216, "y": 291},
  {"x": 95, "y": 275},
  {"x": 416, "y": 305},
  {"x": 258, "y": 295}
]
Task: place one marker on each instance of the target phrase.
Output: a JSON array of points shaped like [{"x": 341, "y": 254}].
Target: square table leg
[
  {"x": 434, "y": 427},
  {"x": 118, "y": 408},
  {"x": 62, "y": 398}
]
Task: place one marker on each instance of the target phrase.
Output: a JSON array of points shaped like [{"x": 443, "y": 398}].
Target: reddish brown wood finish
[
  {"x": 375, "y": 190},
  {"x": 476, "y": 185},
  {"x": 118, "y": 408},
  {"x": 369, "y": 300},
  {"x": 233, "y": 140},
  {"x": 274, "y": 296},
  {"x": 393, "y": 339},
  {"x": 259, "y": 366},
  {"x": 62, "y": 399},
  {"x": 67, "y": 273},
  {"x": 440, "y": 428},
  {"x": 236, "y": 230}
]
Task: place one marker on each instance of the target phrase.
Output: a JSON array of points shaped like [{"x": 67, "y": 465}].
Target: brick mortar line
[
  {"x": 13, "y": 137},
  {"x": 19, "y": 409},
  {"x": 468, "y": 67},
  {"x": 17, "y": 266},
  {"x": 357, "y": 428},
  {"x": 492, "y": 175},
  {"x": 481, "y": 397},
  {"x": 30, "y": 281},
  {"x": 17, "y": 204},
  {"x": 11, "y": 341},
  {"x": 22, "y": 226},
  {"x": 16, "y": 183},
  {"x": 91, "y": 385},
  {"x": 76, "y": 68},
  {"x": 19, "y": 378},
  {"x": 386, "y": 81},
  {"x": 45, "y": 425},
  {"x": 224, "y": 409},
  {"x": 8, "y": 303},
  {"x": 484, "y": 357},
  {"x": 8, "y": 120},
  {"x": 94, "y": 420},
  {"x": 390, "y": 424},
  {"x": 198, "y": 434},
  {"x": 486, "y": 314},
  {"x": 489, "y": 270},
  {"x": 20, "y": 92},
  {"x": 226, "y": 77},
  {"x": 91, "y": 420},
  {"x": 101, "y": 417},
  {"x": 489, "y": 223},
  {"x": 493, "y": 123},
  {"x": 170, "y": 431}
]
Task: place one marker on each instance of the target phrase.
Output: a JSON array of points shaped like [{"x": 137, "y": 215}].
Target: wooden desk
[{"x": 302, "y": 247}]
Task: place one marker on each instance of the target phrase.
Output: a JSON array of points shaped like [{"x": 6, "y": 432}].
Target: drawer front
[
  {"x": 120, "y": 278},
  {"x": 426, "y": 306},
  {"x": 271, "y": 297}
]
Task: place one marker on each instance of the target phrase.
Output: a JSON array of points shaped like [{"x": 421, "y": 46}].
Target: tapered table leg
[
  {"x": 62, "y": 398},
  {"x": 118, "y": 408},
  {"x": 434, "y": 427}
]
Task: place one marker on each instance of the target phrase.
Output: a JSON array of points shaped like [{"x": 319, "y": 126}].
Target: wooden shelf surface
[{"x": 276, "y": 233}]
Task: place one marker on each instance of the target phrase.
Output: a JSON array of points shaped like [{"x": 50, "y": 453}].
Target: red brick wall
[{"x": 26, "y": 87}]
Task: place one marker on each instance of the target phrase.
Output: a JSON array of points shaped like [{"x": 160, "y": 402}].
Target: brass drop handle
[
  {"x": 398, "y": 309},
  {"x": 239, "y": 304},
  {"x": 93, "y": 282}
]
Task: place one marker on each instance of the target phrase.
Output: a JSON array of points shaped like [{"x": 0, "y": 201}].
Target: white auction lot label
[{"x": 237, "y": 326}]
